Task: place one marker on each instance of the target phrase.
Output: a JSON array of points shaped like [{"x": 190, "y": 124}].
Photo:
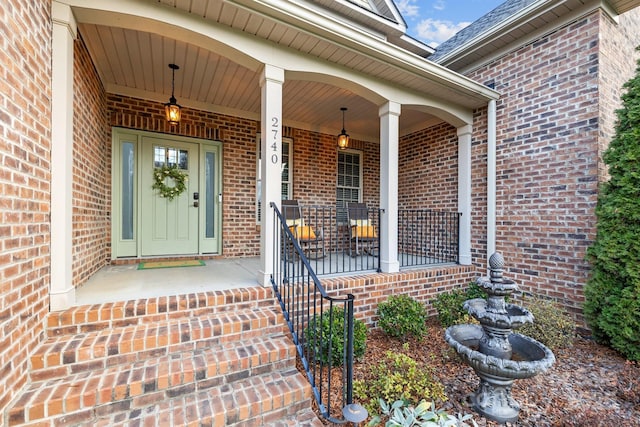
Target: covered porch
[{"x": 265, "y": 120}]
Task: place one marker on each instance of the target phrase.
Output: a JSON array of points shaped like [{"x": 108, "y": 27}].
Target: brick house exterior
[{"x": 554, "y": 117}]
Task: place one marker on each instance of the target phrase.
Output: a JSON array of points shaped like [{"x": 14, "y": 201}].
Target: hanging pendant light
[
  {"x": 171, "y": 108},
  {"x": 343, "y": 138}
]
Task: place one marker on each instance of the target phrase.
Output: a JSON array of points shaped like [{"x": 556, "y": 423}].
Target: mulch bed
[{"x": 589, "y": 385}]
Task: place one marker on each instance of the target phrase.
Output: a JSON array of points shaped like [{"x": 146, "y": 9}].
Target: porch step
[
  {"x": 215, "y": 362},
  {"x": 95, "y": 317}
]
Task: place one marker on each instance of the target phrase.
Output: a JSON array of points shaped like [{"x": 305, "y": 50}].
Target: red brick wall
[
  {"x": 25, "y": 145},
  {"x": 422, "y": 285},
  {"x": 548, "y": 133},
  {"x": 428, "y": 169},
  {"x": 91, "y": 169},
  {"x": 315, "y": 158}
]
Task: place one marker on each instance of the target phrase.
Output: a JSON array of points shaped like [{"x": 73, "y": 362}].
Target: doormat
[{"x": 170, "y": 264}]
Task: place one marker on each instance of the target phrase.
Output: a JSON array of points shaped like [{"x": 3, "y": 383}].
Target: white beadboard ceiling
[{"x": 135, "y": 63}]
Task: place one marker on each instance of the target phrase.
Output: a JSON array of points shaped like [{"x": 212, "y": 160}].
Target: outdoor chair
[
  {"x": 363, "y": 234},
  {"x": 310, "y": 239}
]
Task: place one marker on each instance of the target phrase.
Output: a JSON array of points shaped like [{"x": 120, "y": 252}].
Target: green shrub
[
  {"x": 397, "y": 377},
  {"x": 449, "y": 305},
  {"x": 553, "y": 327},
  {"x": 401, "y": 316},
  {"x": 401, "y": 414},
  {"x": 612, "y": 293},
  {"x": 326, "y": 332}
]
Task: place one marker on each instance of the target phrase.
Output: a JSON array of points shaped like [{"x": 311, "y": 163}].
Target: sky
[{"x": 434, "y": 21}]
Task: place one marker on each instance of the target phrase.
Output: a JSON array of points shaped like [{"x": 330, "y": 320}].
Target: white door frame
[{"x": 128, "y": 245}]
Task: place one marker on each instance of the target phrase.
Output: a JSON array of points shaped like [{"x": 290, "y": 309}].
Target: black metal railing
[
  {"x": 427, "y": 237},
  {"x": 334, "y": 248},
  {"x": 309, "y": 312}
]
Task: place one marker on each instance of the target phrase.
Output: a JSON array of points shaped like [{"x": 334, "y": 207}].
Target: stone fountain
[{"x": 498, "y": 355}]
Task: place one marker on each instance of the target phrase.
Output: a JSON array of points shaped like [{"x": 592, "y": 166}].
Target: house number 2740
[{"x": 274, "y": 148}]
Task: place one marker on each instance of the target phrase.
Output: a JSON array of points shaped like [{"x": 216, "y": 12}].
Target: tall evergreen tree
[{"x": 612, "y": 305}]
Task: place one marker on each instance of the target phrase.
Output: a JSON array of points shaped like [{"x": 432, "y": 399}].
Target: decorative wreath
[{"x": 179, "y": 179}]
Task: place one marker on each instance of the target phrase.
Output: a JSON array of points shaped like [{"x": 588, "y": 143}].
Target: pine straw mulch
[{"x": 589, "y": 385}]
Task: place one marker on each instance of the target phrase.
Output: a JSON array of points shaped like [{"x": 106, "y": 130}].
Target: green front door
[{"x": 169, "y": 227}]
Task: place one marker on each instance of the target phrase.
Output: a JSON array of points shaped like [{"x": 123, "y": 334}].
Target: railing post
[{"x": 349, "y": 343}]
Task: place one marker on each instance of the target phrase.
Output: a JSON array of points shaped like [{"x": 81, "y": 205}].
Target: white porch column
[
  {"x": 491, "y": 179},
  {"x": 271, "y": 83},
  {"x": 61, "y": 291},
  {"x": 464, "y": 192},
  {"x": 389, "y": 119}
]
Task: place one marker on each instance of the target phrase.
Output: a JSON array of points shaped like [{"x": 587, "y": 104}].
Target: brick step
[
  {"x": 271, "y": 399},
  {"x": 89, "y": 318},
  {"x": 72, "y": 354},
  {"x": 154, "y": 380},
  {"x": 214, "y": 358}
]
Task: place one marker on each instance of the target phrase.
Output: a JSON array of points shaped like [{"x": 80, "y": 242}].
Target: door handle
[{"x": 196, "y": 204}]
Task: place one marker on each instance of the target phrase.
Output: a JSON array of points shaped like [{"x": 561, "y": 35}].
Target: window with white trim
[{"x": 349, "y": 188}]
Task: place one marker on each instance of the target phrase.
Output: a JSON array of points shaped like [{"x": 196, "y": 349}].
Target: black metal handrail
[
  {"x": 307, "y": 308},
  {"x": 428, "y": 237}
]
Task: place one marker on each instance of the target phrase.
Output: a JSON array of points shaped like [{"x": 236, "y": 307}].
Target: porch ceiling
[{"x": 135, "y": 62}]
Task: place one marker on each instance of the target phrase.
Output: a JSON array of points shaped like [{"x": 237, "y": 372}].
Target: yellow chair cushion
[
  {"x": 363, "y": 232},
  {"x": 304, "y": 232}
]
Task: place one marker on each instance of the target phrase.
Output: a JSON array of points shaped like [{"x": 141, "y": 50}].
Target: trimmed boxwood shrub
[
  {"x": 325, "y": 332},
  {"x": 449, "y": 305},
  {"x": 401, "y": 316}
]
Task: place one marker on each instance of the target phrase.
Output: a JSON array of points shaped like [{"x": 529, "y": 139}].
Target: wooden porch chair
[
  {"x": 311, "y": 240},
  {"x": 363, "y": 234}
]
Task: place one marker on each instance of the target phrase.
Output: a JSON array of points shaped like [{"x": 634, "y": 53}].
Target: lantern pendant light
[
  {"x": 171, "y": 108},
  {"x": 343, "y": 138}
]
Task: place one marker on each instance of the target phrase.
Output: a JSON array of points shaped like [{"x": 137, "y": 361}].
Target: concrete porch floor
[{"x": 125, "y": 282}]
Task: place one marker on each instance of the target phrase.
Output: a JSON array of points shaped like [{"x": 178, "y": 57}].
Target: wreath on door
[{"x": 179, "y": 178}]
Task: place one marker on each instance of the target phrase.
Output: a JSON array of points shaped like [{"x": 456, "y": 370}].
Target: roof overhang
[{"x": 533, "y": 21}]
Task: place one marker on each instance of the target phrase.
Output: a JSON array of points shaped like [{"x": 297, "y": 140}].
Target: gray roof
[{"x": 488, "y": 21}]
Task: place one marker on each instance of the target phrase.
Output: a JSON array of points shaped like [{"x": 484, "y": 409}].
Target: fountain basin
[
  {"x": 529, "y": 356},
  {"x": 503, "y": 287},
  {"x": 513, "y": 317}
]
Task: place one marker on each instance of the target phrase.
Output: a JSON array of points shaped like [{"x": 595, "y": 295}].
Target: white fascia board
[{"x": 306, "y": 19}]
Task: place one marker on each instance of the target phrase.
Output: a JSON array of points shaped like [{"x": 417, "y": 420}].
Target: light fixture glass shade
[
  {"x": 343, "y": 140},
  {"x": 171, "y": 108},
  {"x": 172, "y": 111}
]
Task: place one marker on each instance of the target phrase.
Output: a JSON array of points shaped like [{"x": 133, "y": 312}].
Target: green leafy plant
[
  {"x": 396, "y": 377},
  {"x": 612, "y": 293},
  {"x": 326, "y": 332},
  {"x": 553, "y": 327},
  {"x": 401, "y": 316},
  {"x": 450, "y": 304},
  {"x": 400, "y": 413}
]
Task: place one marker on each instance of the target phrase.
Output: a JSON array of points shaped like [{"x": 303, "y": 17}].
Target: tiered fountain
[{"x": 496, "y": 354}]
